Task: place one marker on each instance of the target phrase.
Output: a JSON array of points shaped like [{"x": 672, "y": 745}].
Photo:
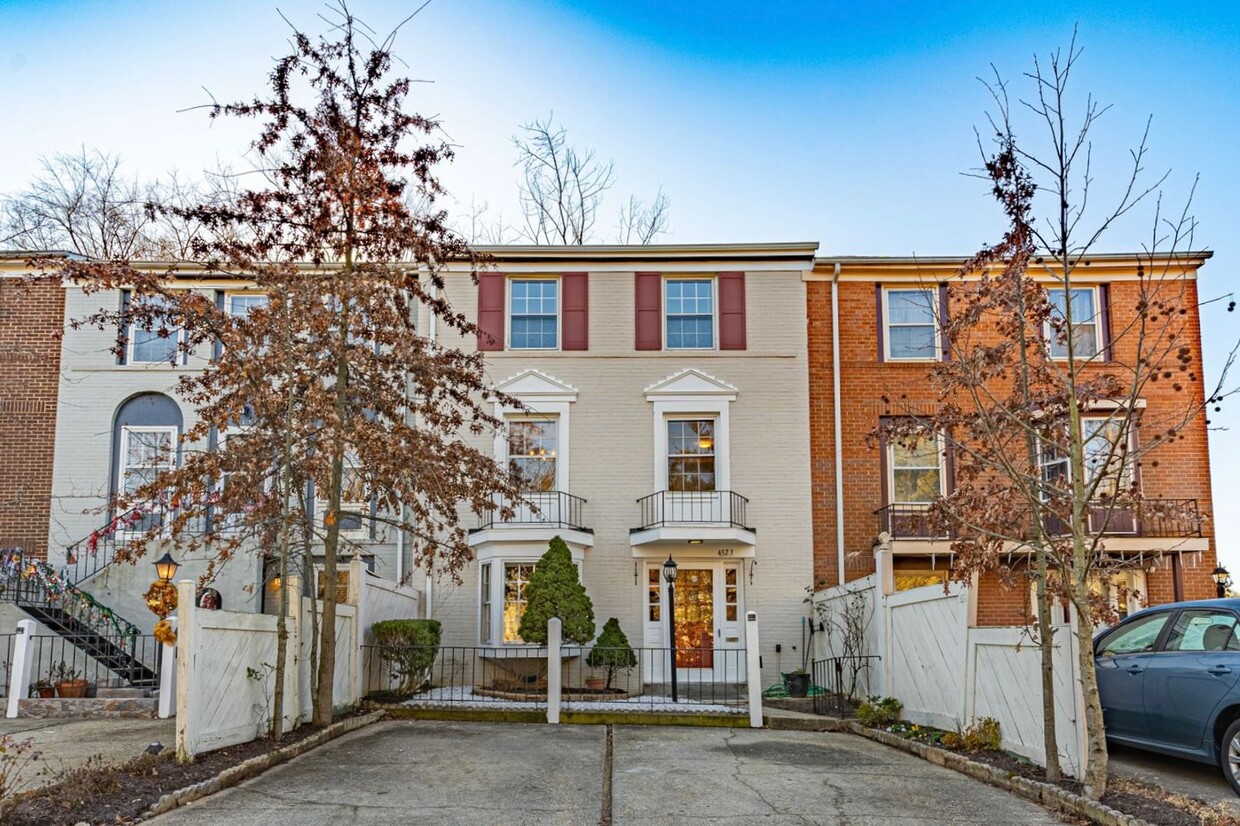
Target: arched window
[{"x": 144, "y": 444}]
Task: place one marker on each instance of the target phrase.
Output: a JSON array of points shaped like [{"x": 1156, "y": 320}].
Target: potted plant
[
  {"x": 42, "y": 688},
  {"x": 612, "y": 653},
  {"x": 69, "y": 683}
]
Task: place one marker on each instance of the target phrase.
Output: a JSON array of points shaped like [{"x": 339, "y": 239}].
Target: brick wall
[
  {"x": 1178, "y": 469},
  {"x": 31, "y": 321}
]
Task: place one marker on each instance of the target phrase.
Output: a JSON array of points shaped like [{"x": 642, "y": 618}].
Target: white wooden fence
[
  {"x": 225, "y": 660},
  {"x": 949, "y": 674}
]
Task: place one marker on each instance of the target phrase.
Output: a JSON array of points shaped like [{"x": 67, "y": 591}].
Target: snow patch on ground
[{"x": 464, "y": 697}]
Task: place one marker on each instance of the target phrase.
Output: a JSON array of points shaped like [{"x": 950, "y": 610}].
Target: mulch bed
[
  {"x": 1138, "y": 800},
  {"x": 100, "y": 794}
]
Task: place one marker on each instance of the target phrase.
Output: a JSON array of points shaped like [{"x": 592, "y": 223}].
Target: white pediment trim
[
  {"x": 690, "y": 382},
  {"x": 533, "y": 385}
]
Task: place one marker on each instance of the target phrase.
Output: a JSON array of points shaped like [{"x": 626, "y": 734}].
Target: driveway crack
[{"x": 736, "y": 774}]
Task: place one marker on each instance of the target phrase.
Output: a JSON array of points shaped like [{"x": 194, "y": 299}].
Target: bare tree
[
  {"x": 80, "y": 203},
  {"x": 328, "y": 381},
  {"x": 563, "y": 188},
  {"x": 1039, "y": 415},
  {"x": 641, "y": 223}
]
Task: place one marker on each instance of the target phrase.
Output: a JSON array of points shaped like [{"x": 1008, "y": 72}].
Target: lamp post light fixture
[
  {"x": 166, "y": 567},
  {"x": 1222, "y": 581},
  {"x": 669, "y": 574}
]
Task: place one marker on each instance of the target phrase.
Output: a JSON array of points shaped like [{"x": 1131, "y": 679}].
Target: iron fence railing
[
  {"x": 840, "y": 684},
  {"x": 34, "y": 584},
  {"x": 117, "y": 661},
  {"x": 677, "y": 507},
  {"x": 634, "y": 679},
  {"x": 7, "y": 641},
  {"x": 554, "y": 508},
  {"x": 1152, "y": 518},
  {"x": 639, "y": 679}
]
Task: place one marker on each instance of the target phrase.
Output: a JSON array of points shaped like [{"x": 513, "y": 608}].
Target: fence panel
[
  {"x": 928, "y": 631},
  {"x": 846, "y": 620}
]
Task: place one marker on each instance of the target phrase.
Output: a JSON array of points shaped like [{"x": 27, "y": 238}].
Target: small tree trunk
[
  {"x": 1050, "y": 739},
  {"x": 277, "y": 700},
  {"x": 1095, "y": 730}
]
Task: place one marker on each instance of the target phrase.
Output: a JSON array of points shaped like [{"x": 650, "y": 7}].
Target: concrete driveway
[
  {"x": 426, "y": 772},
  {"x": 1174, "y": 775}
]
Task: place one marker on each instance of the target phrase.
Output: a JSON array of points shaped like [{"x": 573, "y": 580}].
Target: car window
[
  {"x": 1133, "y": 637},
  {"x": 1204, "y": 630}
]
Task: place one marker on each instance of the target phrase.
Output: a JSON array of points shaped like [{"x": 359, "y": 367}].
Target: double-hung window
[
  {"x": 916, "y": 470},
  {"x": 911, "y": 329},
  {"x": 1086, "y": 322},
  {"x": 532, "y": 453},
  {"x": 690, "y": 313},
  {"x": 691, "y": 455},
  {"x": 534, "y": 313},
  {"x": 1105, "y": 458},
  {"x": 484, "y": 583},
  {"x": 154, "y": 341},
  {"x": 240, "y": 304}
]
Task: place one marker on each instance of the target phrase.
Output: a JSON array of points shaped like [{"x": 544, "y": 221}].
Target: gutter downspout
[{"x": 839, "y": 437}]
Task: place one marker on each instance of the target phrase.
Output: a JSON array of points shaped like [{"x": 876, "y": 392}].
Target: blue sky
[{"x": 847, "y": 124}]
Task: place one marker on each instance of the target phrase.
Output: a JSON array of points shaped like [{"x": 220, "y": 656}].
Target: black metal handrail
[
  {"x": 697, "y": 507},
  {"x": 1148, "y": 518},
  {"x": 553, "y": 509},
  {"x": 97, "y": 551}
]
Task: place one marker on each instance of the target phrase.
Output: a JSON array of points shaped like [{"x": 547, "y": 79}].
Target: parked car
[{"x": 1168, "y": 681}]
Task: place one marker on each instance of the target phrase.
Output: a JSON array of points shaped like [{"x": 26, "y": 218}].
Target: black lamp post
[
  {"x": 1222, "y": 581},
  {"x": 166, "y": 567},
  {"x": 669, "y": 574}
]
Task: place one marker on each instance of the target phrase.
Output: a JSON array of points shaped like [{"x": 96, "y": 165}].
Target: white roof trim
[
  {"x": 690, "y": 382},
  {"x": 535, "y": 384}
]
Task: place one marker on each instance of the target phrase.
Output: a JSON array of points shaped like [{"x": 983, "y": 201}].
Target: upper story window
[
  {"x": 1086, "y": 322},
  {"x": 690, "y": 313},
  {"x": 153, "y": 343},
  {"x": 1105, "y": 457},
  {"x": 240, "y": 304},
  {"x": 533, "y": 314},
  {"x": 910, "y": 331},
  {"x": 691, "y": 455},
  {"x": 916, "y": 470},
  {"x": 532, "y": 448}
]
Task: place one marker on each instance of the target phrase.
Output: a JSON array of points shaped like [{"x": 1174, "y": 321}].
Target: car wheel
[{"x": 1229, "y": 755}]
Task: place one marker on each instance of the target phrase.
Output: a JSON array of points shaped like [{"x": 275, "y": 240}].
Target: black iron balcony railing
[
  {"x": 552, "y": 509},
  {"x": 693, "y": 507},
  {"x": 1152, "y": 518}
]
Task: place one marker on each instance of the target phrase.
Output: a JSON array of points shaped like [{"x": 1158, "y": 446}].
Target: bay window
[{"x": 516, "y": 580}]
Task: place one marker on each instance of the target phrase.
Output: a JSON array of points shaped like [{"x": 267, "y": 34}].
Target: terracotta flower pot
[
  {"x": 595, "y": 683},
  {"x": 45, "y": 693},
  {"x": 71, "y": 688}
]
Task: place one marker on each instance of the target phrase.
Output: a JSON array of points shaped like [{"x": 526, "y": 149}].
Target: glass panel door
[{"x": 695, "y": 618}]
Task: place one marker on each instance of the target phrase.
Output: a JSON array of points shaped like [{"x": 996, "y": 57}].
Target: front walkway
[{"x": 467, "y": 773}]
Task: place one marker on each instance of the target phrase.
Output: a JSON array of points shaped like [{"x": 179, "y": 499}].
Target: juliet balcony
[
  {"x": 538, "y": 517},
  {"x": 700, "y": 517}
]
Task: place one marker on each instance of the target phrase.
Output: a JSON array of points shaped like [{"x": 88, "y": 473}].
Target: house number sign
[{"x": 725, "y": 552}]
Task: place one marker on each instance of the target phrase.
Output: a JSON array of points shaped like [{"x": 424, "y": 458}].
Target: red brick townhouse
[
  {"x": 31, "y": 323},
  {"x": 860, "y": 351}
]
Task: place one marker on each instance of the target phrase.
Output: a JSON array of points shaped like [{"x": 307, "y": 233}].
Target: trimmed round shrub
[{"x": 409, "y": 647}]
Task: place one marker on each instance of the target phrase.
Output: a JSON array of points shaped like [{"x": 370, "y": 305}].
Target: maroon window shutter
[
  {"x": 491, "y": 311},
  {"x": 731, "y": 311},
  {"x": 1104, "y": 313},
  {"x": 649, "y": 310},
  {"x": 878, "y": 315},
  {"x": 576, "y": 315}
]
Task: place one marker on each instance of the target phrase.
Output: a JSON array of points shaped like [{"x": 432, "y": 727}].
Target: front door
[{"x": 708, "y": 621}]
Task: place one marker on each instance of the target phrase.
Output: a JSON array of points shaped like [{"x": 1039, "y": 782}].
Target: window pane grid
[
  {"x": 911, "y": 328},
  {"x": 916, "y": 477},
  {"x": 1085, "y": 321},
  {"x": 534, "y": 314},
  {"x": 690, "y": 314},
  {"x": 691, "y": 455},
  {"x": 532, "y": 454},
  {"x": 516, "y": 578}
]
